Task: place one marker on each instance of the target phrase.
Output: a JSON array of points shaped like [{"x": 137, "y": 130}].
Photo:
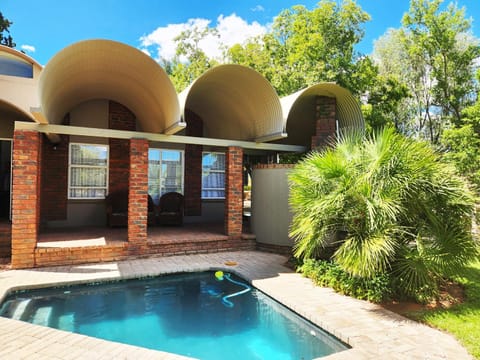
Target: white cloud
[
  {"x": 231, "y": 30},
  {"x": 28, "y": 48},
  {"x": 258, "y": 8}
]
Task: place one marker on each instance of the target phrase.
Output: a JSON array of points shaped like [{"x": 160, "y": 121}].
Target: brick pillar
[
  {"x": 325, "y": 120},
  {"x": 193, "y": 166},
  {"x": 233, "y": 191},
  {"x": 138, "y": 191},
  {"x": 26, "y": 197}
]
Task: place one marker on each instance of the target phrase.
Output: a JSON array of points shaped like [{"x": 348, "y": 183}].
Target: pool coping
[{"x": 372, "y": 331}]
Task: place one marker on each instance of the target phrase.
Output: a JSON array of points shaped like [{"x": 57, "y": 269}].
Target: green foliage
[
  {"x": 291, "y": 158},
  {"x": 329, "y": 274},
  {"x": 385, "y": 102},
  {"x": 387, "y": 204},
  {"x": 182, "y": 72},
  {"x": 5, "y": 37},
  {"x": 433, "y": 54},
  {"x": 463, "y": 150},
  {"x": 440, "y": 38},
  {"x": 309, "y": 46}
]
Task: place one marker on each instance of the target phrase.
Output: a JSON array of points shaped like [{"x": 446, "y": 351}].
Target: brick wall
[
  {"x": 325, "y": 110},
  {"x": 234, "y": 191},
  {"x": 193, "y": 167},
  {"x": 127, "y": 250},
  {"x": 54, "y": 179},
  {"x": 119, "y": 118},
  {"x": 138, "y": 191},
  {"x": 5, "y": 240},
  {"x": 27, "y": 146}
]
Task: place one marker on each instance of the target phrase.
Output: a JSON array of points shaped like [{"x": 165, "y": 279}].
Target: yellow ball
[{"x": 219, "y": 275}]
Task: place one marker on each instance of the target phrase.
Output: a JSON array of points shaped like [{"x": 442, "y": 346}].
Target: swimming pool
[{"x": 182, "y": 313}]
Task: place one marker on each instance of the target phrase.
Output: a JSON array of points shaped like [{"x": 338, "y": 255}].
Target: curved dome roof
[
  {"x": 299, "y": 112},
  {"x": 105, "y": 69},
  {"x": 235, "y": 102}
]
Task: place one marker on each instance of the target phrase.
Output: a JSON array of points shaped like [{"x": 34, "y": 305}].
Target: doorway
[{"x": 5, "y": 179}]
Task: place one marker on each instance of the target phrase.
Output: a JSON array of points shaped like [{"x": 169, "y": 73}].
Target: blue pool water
[{"x": 181, "y": 313}]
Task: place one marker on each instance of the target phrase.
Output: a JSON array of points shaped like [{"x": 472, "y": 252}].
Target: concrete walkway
[{"x": 373, "y": 332}]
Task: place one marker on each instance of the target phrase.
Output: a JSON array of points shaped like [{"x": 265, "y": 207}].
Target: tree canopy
[
  {"x": 433, "y": 54},
  {"x": 5, "y": 37}
]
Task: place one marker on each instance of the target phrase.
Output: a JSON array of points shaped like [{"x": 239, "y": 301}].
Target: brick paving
[{"x": 373, "y": 332}]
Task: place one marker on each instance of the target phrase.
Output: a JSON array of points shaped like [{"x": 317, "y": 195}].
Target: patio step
[
  {"x": 42, "y": 316},
  {"x": 20, "y": 309}
]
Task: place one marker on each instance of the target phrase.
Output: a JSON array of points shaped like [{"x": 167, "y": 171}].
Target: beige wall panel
[{"x": 270, "y": 223}]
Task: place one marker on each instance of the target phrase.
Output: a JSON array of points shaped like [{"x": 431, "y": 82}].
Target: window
[
  {"x": 13, "y": 66},
  {"x": 213, "y": 175},
  {"x": 165, "y": 172},
  {"x": 87, "y": 171}
]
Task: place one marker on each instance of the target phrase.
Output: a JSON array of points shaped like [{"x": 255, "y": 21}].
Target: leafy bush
[
  {"x": 385, "y": 205},
  {"x": 329, "y": 274}
]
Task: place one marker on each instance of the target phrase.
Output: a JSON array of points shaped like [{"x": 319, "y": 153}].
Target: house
[{"x": 102, "y": 116}]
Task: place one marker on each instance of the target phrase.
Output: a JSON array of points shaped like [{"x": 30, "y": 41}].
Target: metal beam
[{"x": 177, "y": 139}]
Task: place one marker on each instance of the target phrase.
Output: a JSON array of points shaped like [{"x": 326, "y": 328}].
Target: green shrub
[
  {"x": 384, "y": 204},
  {"x": 328, "y": 274}
]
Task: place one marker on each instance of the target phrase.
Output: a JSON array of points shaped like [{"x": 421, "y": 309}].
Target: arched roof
[
  {"x": 105, "y": 69},
  {"x": 299, "y": 112},
  {"x": 236, "y": 103}
]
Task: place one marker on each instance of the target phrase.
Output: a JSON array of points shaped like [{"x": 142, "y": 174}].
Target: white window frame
[
  {"x": 182, "y": 152},
  {"x": 224, "y": 171},
  {"x": 70, "y": 166}
]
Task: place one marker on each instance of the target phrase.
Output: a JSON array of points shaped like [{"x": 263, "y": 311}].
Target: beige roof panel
[
  {"x": 105, "y": 69},
  {"x": 236, "y": 103},
  {"x": 299, "y": 112}
]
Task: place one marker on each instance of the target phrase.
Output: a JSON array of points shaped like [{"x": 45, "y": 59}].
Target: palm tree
[{"x": 386, "y": 204}]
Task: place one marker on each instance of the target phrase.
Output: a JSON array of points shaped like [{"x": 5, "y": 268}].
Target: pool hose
[{"x": 225, "y": 300}]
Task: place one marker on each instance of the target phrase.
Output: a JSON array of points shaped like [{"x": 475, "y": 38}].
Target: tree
[
  {"x": 462, "y": 148},
  {"x": 441, "y": 39},
  {"x": 461, "y": 143},
  {"x": 385, "y": 105},
  {"x": 309, "y": 46},
  {"x": 387, "y": 205},
  {"x": 5, "y": 37},
  {"x": 190, "y": 61},
  {"x": 433, "y": 54}
]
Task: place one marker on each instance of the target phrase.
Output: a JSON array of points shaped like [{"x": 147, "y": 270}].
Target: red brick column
[
  {"x": 325, "y": 119},
  {"x": 233, "y": 191},
  {"x": 138, "y": 191},
  {"x": 26, "y": 197}
]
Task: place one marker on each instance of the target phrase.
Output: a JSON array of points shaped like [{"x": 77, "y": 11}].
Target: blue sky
[{"x": 44, "y": 27}]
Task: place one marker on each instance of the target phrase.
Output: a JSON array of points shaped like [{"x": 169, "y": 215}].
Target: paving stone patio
[{"x": 373, "y": 332}]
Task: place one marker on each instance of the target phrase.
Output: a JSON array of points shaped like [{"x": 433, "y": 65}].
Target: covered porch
[{"x": 34, "y": 246}]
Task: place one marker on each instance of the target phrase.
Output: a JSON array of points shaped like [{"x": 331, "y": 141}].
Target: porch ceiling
[
  {"x": 104, "y": 69},
  {"x": 235, "y": 102}
]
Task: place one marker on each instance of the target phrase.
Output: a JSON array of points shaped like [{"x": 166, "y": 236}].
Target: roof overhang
[
  {"x": 155, "y": 137},
  {"x": 235, "y": 102},
  {"x": 299, "y": 112},
  {"x": 104, "y": 69}
]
